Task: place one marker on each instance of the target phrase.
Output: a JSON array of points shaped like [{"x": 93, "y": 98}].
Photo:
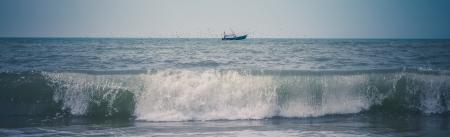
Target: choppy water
[
  {"x": 209, "y": 87},
  {"x": 272, "y": 54}
]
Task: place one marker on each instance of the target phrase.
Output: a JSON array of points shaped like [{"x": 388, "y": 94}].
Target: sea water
[{"x": 209, "y": 87}]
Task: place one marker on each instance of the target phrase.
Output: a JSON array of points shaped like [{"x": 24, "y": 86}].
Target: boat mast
[{"x": 232, "y": 32}]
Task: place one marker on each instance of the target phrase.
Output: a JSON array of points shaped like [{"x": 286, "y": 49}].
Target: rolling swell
[{"x": 174, "y": 95}]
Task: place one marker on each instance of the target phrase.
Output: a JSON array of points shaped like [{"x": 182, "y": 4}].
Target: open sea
[{"x": 209, "y": 87}]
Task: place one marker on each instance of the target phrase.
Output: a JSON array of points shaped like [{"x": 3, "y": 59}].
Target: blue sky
[{"x": 209, "y": 18}]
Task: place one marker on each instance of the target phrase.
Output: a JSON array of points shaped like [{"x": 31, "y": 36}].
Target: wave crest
[{"x": 175, "y": 95}]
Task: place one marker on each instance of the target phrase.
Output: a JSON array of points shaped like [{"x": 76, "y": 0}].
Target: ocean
[{"x": 209, "y": 87}]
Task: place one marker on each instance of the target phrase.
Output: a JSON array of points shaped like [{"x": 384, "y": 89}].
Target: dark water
[{"x": 208, "y": 87}]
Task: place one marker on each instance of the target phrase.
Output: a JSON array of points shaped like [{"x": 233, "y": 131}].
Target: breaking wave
[{"x": 177, "y": 95}]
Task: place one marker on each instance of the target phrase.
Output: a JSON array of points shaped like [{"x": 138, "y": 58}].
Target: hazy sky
[{"x": 209, "y": 18}]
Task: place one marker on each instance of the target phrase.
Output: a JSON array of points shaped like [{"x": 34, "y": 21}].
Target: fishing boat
[{"x": 233, "y": 36}]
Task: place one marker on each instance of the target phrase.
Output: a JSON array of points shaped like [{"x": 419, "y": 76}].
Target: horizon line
[{"x": 117, "y": 37}]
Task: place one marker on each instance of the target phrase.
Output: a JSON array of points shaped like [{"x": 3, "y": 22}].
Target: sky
[{"x": 210, "y": 18}]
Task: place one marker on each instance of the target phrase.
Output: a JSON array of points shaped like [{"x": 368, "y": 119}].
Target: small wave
[{"x": 177, "y": 95}]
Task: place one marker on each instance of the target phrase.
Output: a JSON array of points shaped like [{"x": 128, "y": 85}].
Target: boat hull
[{"x": 236, "y": 38}]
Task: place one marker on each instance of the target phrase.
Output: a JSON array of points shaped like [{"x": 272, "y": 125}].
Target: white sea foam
[
  {"x": 306, "y": 96},
  {"x": 190, "y": 95},
  {"x": 254, "y": 133}
]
